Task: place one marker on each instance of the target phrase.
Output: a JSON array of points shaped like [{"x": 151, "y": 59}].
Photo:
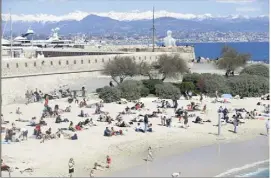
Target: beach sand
[{"x": 50, "y": 159}]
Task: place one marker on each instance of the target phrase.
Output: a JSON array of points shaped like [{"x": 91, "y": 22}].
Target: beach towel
[
  {"x": 226, "y": 96},
  {"x": 3, "y": 142}
]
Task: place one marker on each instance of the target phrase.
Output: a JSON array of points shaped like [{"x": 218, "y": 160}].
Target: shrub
[
  {"x": 167, "y": 91},
  {"x": 110, "y": 94},
  {"x": 144, "y": 91},
  {"x": 150, "y": 84},
  {"x": 249, "y": 85},
  {"x": 210, "y": 83},
  {"x": 258, "y": 69},
  {"x": 187, "y": 86},
  {"x": 98, "y": 90},
  {"x": 131, "y": 89},
  {"x": 192, "y": 77}
]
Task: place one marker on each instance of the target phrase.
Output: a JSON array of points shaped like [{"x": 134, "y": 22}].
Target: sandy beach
[{"x": 50, "y": 159}]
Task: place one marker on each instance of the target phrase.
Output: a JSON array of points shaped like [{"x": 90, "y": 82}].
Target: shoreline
[{"x": 189, "y": 161}]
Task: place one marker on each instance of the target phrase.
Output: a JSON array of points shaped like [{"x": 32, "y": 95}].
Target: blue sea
[
  {"x": 259, "y": 51},
  {"x": 259, "y": 173}
]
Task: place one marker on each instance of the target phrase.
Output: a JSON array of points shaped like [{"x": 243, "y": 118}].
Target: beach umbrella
[{"x": 227, "y": 96}]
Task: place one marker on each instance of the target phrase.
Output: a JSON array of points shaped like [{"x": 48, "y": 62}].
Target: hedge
[
  {"x": 150, "y": 84},
  {"x": 210, "y": 83},
  {"x": 249, "y": 85},
  {"x": 131, "y": 89},
  {"x": 167, "y": 91},
  {"x": 110, "y": 94},
  {"x": 257, "y": 69}
]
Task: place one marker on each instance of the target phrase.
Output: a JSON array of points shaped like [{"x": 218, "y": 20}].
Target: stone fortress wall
[{"x": 15, "y": 68}]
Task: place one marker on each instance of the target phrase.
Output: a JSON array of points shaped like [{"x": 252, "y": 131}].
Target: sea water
[
  {"x": 259, "y": 173},
  {"x": 259, "y": 51}
]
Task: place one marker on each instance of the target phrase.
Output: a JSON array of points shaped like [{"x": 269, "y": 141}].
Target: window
[
  {"x": 102, "y": 60},
  {"x": 82, "y": 61},
  {"x": 59, "y": 62},
  {"x": 51, "y": 62},
  {"x": 67, "y": 62},
  {"x": 109, "y": 59},
  {"x": 25, "y": 64},
  {"x": 145, "y": 58},
  {"x": 139, "y": 58},
  {"x": 88, "y": 61},
  {"x": 95, "y": 60},
  {"x": 35, "y": 64},
  {"x": 150, "y": 57},
  {"x": 74, "y": 62},
  {"x": 17, "y": 66},
  {"x": 7, "y": 65}
]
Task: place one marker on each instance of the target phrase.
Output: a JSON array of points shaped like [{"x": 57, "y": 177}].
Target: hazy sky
[{"x": 214, "y": 7}]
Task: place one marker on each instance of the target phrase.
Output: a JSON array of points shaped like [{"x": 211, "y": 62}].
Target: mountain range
[{"x": 122, "y": 25}]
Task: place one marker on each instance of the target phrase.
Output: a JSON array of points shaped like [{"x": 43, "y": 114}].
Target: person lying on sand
[
  {"x": 122, "y": 124},
  {"x": 98, "y": 166},
  {"x": 154, "y": 114},
  {"x": 27, "y": 170}
]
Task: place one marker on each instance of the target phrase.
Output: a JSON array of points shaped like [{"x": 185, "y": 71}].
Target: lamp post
[{"x": 219, "y": 124}]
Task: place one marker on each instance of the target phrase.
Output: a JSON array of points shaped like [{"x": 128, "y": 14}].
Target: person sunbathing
[
  {"x": 107, "y": 132},
  {"x": 122, "y": 124},
  {"x": 49, "y": 131},
  {"x": 98, "y": 166},
  {"x": 138, "y": 128},
  {"x": 74, "y": 137},
  {"x": 68, "y": 109},
  {"x": 18, "y": 111},
  {"x": 71, "y": 128}
]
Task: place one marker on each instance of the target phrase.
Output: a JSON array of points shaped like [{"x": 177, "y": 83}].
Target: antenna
[{"x": 153, "y": 30}]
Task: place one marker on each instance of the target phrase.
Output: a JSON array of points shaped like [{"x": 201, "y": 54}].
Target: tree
[
  {"x": 171, "y": 66},
  {"x": 120, "y": 68},
  {"x": 230, "y": 59},
  {"x": 145, "y": 69}
]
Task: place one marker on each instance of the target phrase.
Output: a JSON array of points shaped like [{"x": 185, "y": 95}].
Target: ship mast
[
  {"x": 153, "y": 30},
  {"x": 11, "y": 41}
]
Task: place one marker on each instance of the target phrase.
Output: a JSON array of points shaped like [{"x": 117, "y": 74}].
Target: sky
[{"x": 214, "y": 7}]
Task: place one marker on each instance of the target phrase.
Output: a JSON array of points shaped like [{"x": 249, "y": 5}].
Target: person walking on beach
[
  {"x": 149, "y": 154},
  {"x": 146, "y": 122},
  {"x": 267, "y": 126},
  {"x": 108, "y": 161},
  {"x": 71, "y": 167},
  {"x": 185, "y": 117},
  {"x": 235, "y": 123}
]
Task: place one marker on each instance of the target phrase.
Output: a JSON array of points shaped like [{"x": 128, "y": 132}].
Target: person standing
[
  {"x": 149, "y": 154},
  {"x": 267, "y": 126},
  {"x": 108, "y": 161},
  {"x": 235, "y": 123},
  {"x": 201, "y": 98},
  {"x": 71, "y": 167},
  {"x": 185, "y": 119},
  {"x": 146, "y": 122}
]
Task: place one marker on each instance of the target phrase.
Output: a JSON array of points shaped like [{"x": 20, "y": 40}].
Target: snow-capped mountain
[
  {"x": 134, "y": 22},
  {"x": 120, "y": 16}
]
